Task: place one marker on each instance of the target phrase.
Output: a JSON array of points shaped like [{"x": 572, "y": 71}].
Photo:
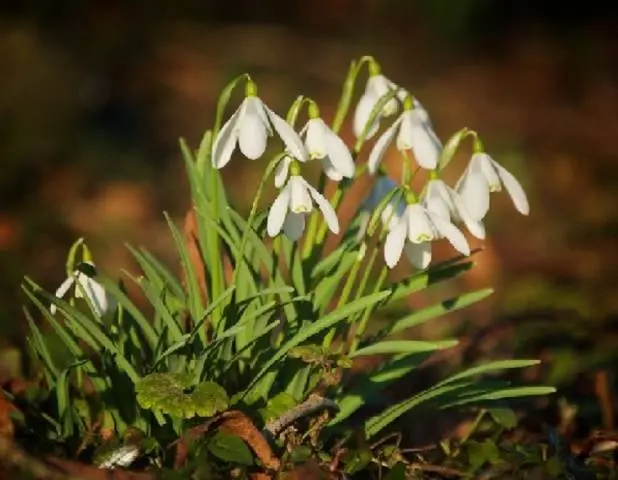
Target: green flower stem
[
  {"x": 312, "y": 229},
  {"x": 335, "y": 201},
  {"x": 217, "y": 273},
  {"x": 365, "y": 319},
  {"x": 343, "y": 299}
]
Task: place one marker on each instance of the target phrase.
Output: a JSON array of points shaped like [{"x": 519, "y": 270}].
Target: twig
[{"x": 313, "y": 404}]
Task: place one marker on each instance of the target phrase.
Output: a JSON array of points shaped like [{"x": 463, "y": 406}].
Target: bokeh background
[{"x": 94, "y": 96}]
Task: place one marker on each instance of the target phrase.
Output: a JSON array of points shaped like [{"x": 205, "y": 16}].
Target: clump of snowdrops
[{"x": 262, "y": 317}]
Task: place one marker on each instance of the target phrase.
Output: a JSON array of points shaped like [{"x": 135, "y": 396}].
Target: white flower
[
  {"x": 377, "y": 86},
  {"x": 293, "y": 203},
  {"x": 250, "y": 126},
  {"x": 85, "y": 285},
  {"x": 392, "y": 211},
  {"x": 444, "y": 201},
  {"x": 415, "y": 231},
  {"x": 482, "y": 176},
  {"x": 323, "y": 144},
  {"x": 413, "y": 133}
]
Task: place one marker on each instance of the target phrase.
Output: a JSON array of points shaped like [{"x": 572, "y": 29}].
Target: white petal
[
  {"x": 96, "y": 295},
  {"x": 475, "y": 227},
  {"x": 420, "y": 227},
  {"x": 282, "y": 170},
  {"x": 291, "y": 139},
  {"x": 330, "y": 216},
  {"x": 278, "y": 211},
  {"x": 315, "y": 142},
  {"x": 395, "y": 240},
  {"x": 361, "y": 116},
  {"x": 294, "y": 225},
  {"x": 517, "y": 193},
  {"x": 226, "y": 140},
  {"x": 449, "y": 231},
  {"x": 330, "y": 170},
  {"x": 339, "y": 155},
  {"x": 474, "y": 192},
  {"x": 300, "y": 199},
  {"x": 422, "y": 113},
  {"x": 379, "y": 149},
  {"x": 253, "y": 131},
  {"x": 62, "y": 290},
  {"x": 426, "y": 150},
  {"x": 437, "y": 198},
  {"x": 419, "y": 254},
  {"x": 379, "y": 85},
  {"x": 409, "y": 121},
  {"x": 486, "y": 166}
]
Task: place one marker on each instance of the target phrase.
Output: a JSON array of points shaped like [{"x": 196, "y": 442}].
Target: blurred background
[{"x": 94, "y": 96}]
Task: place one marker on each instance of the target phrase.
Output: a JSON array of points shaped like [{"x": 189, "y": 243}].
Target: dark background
[{"x": 94, "y": 95}]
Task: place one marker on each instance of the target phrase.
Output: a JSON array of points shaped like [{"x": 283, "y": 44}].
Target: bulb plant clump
[{"x": 244, "y": 358}]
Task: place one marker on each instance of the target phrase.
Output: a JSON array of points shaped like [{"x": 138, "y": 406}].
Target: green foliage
[{"x": 262, "y": 338}]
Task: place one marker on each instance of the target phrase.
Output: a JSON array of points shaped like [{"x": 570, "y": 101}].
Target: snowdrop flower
[
  {"x": 392, "y": 211},
  {"x": 412, "y": 133},
  {"x": 323, "y": 144},
  {"x": 86, "y": 285},
  {"x": 377, "y": 86},
  {"x": 444, "y": 201},
  {"x": 415, "y": 231},
  {"x": 293, "y": 203},
  {"x": 482, "y": 176},
  {"x": 249, "y": 127}
]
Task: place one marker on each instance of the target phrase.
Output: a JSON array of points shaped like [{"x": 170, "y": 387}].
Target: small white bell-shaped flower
[
  {"x": 415, "y": 231},
  {"x": 444, "y": 201},
  {"x": 377, "y": 86},
  {"x": 483, "y": 176},
  {"x": 411, "y": 132},
  {"x": 86, "y": 285},
  {"x": 249, "y": 127},
  {"x": 293, "y": 204},
  {"x": 392, "y": 211},
  {"x": 321, "y": 143}
]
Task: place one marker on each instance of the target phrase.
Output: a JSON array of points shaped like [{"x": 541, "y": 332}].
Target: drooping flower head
[
  {"x": 249, "y": 127},
  {"x": 321, "y": 143},
  {"x": 483, "y": 176},
  {"x": 412, "y": 131},
  {"x": 444, "y": 201},
  {"x": 293, "y": 204},
  {"x": 415, "y": 231},
  {"x": 377, "y": 86},
  {"x": 86, "y": 287}
]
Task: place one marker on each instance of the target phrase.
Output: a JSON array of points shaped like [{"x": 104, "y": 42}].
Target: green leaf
[
  {"x": 480, "y": 453},
  {"x": 403, "y": 346},
  {"x": 503, "y": 393},
  {"x": 422, "y": 280},
  {"x": 442, "y": 308},
  {"x": 277, "y": 406},
  {"x": 489, "y": 367},
  {"x": 165, "y": 392},
  {"x": 451, "y": 146},
  {"x": 195, "y": 294},
  {"x": 503, "y": 416},
  {"x": 378, "y": 422},
  {"x": 230, "y": 448},
  {"x": 209, "y": 399},
  {"x": 356, "y": 460},
  {"x": 313, "y": 329},
  {"x": 370, "y": 386}
]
